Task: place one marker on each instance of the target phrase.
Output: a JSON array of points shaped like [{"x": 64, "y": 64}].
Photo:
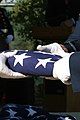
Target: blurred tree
[{"x": 25, "y": 15}]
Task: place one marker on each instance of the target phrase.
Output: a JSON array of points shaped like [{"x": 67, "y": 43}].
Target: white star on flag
[
  {"x": 19, "y": 59},
  {"x": 43, "y": 62},
  {"x": 12, "y": 113},
  {"x": 31, "y": 112},
  {"x": 67, "y": 118}
]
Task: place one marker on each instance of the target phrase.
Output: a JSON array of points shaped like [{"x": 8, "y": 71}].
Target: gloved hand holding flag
[{"x": 21, "y": 63}]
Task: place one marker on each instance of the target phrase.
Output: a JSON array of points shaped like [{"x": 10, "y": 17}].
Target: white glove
[
  {"x": 5, "y": 72},
  {"x": 61, "y": 70},
  {"x": 45, "y": 48},
  {"x": 53, "y": 48}
]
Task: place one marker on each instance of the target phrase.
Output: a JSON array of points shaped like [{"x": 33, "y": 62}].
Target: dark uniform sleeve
[
  {"x": 74, "y": 64},
  {"x": 73, "y": 41}
]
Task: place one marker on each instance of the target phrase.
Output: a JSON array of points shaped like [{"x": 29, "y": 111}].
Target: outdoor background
[{"x": 25, "y": 15}]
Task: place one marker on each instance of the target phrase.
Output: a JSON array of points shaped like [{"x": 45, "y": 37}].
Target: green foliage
[{"x": 25, "y": 15}]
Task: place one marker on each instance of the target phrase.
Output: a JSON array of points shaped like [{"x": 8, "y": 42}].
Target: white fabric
[
  {"x": 5, "y": 72},
  {"x": 61, "y": 70}
]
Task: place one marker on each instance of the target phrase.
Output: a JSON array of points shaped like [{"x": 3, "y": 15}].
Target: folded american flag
[
  {"x": 28, "y": 112},
  {"x": 32, "y": 62}
]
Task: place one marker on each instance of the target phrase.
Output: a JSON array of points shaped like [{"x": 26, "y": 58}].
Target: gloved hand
[
  {"x": 5, "y": 72},
  {"x": 61, "y": 70},
  {"x": 61, "y": 67},
  {"x": 53, "y": 48}
]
